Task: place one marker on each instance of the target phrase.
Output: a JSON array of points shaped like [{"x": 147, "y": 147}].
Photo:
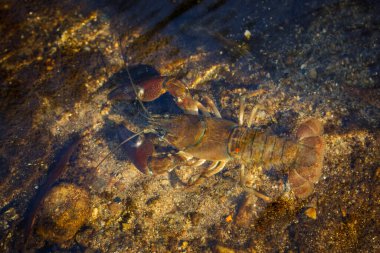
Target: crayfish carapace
[{"x": 207, "y": 137}]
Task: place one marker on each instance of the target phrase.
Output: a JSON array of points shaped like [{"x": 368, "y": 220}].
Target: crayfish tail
[
  {"x": 308, "y": 164},
  {"x": 309, "y": 128}
]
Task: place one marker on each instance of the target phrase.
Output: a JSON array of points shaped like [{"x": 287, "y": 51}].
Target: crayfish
[{"x": 202, "y": 133}]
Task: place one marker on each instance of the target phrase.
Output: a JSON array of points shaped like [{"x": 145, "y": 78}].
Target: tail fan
[{"x": 308, "y": 165}]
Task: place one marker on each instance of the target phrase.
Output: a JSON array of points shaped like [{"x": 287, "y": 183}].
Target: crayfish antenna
[{"x": 131, "y": 80}]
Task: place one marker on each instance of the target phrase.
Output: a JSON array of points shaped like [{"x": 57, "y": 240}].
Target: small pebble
[
  {"x": 311, "y": 212},
  {"x": 247, "y": 34},
  {"x": 313, "y": 73},
  {"x": 184, "y": 245},
  {"x": 95, "y": 213},
  {"x": 344, "y": 212},
  {"x": 222, "y": 249}
]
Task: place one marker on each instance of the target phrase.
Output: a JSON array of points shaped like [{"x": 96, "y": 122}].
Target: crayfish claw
[
  {"x": 139, "y": 151},
  {"x": 162, "y": 163},
  {"x": 151, "y": 89},
  {"x": 146, "y": 91}
]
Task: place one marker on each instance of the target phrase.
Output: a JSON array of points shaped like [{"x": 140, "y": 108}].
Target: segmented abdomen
[
  {"x": 257, "y": 147},
  {"x": 303, "y": 156}
]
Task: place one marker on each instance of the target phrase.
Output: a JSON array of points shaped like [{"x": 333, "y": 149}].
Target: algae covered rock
[{"x": 65, "y": 209}]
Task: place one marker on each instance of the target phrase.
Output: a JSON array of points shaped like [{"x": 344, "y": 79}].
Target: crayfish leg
[
  {"x": 243, "y": 183},
  {"x": 211, "y": 105},
  {"x": 214, "y": 168},
  {"x": 161, "y": 163}
]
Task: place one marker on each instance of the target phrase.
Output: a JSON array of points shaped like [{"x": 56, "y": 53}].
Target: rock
[
  {"x": 313, "y": 73},
  {"x": 222, "y": 249},
  {"x": 247, "y": 34},
  {"x": 229, "y": 218},
  {"x": 311, "y": 212},
  {"x": 64, "y": 210}
]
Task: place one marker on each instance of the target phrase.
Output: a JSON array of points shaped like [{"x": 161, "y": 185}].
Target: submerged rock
[{"x": 64, "y": 210}]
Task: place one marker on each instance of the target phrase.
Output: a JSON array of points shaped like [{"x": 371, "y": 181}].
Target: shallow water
[{"x": 60, "y": 61}]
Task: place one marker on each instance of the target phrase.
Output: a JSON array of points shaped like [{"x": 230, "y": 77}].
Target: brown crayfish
[{"x": 209, "y": 137}]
